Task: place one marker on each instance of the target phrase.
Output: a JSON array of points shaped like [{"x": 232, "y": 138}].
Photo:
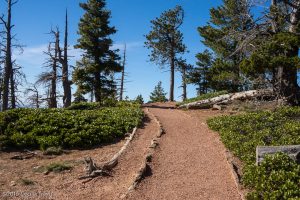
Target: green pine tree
[
  {"x": 158, "y": 94},
  {"x": 276, "y": 55},
  {"x": 225, "y": 71},
  {"x": 99, "y": 61},
  {"x": 139, "y": 99},
  {"x": 199, "y": 75},
  {"x": 78, "y": 98},
  {"x": 166, "y": 41}
]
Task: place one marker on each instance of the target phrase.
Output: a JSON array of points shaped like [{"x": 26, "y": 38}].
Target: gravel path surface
[{"x": 189, "y": 163}]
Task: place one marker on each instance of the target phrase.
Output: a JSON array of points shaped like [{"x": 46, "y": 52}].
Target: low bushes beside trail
[{"x": 81, "y": 126}]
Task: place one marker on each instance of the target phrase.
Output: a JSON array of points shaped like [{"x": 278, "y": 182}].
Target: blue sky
[{"x": 33, "y": 20}]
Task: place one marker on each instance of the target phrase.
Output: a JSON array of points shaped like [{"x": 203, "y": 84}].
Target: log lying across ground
[{"x": 228, "y": 98}]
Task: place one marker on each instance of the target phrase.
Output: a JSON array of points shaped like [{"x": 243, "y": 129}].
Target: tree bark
[
  {"x": 8, "y": 61},
  {"x": 53, "y": 100},
  {"x": 97, "y": 76},
  {"x": 172, "y": 70},
  {"x": 289, "y": 88},
  {"x": 184, "y": 92},
  {"x": 285, "y": 83},
  {"x": 12, "y": 90},
  {"x": 67, "y": 98},
  {"x": 123, "y": 75}
]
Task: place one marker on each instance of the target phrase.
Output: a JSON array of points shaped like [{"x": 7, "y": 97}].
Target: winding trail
[{"x": 189, "y": 162}]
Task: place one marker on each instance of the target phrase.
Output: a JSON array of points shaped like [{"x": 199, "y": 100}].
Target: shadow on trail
[
  {"x": 146, "y": 120},
  {"x": 148, "y": 172}
]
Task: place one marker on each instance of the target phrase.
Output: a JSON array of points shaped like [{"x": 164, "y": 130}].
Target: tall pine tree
[
  {"x": 225, "y": 70},
  {"x": 95, "y": 41},
  {"x": 166, "y": 41}
]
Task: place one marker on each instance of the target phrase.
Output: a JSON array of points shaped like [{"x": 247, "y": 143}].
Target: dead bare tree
[
  {"x": 34, "y": 98},
  {"x": 63, "y": 59},
  {"x": 123, "y": 75},
  {"x": 8, "y": 68},
  {"x": 18, "y": 79},
  {"x": 52, "y": 62},
  {"x": 2, "y": 61}
]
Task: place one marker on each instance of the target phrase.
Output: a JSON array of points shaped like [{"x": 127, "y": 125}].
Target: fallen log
[{"x": 228, "y": 98}]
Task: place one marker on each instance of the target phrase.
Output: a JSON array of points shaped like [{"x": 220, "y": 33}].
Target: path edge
[{"x": 148, "y": 157}]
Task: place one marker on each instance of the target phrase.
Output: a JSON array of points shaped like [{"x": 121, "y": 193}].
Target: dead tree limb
[
  {"x": 24, "y": 155},
  {"x": 93, "y": 170},
  {"x": 228, "y": 98}
]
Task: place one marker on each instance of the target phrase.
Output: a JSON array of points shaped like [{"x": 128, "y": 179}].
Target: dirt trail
[{"x": 189, "y": 163}]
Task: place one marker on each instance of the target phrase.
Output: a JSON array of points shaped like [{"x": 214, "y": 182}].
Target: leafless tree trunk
[
  {"x": 172, "y": 70},
  {"x": 12, "y": 90},
  {"x": 53, "y": 98},
  {"x": 184, "y": 92},
  {"x": 65, "y": 69},
  {"x": 123, "y": 75},
  {"x": 35, "y": 98},
  {"x": 50, "y": 78},
  {"x": 8, "y": 68}
]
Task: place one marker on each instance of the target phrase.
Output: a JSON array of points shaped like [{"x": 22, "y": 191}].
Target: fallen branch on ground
[
  {"x": 24, "y": 155},
  {"x": 93, "y": 170}
]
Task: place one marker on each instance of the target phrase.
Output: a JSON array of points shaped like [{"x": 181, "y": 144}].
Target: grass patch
[
  {"x": 54, "y": 167},
  {"x": 202, "y": 97},
  {"x": 53, "y": 151},
  {"x": 25, "y": 181},
  {"x": 58, "y": 167},
  {"x": 277, "y": 176}
]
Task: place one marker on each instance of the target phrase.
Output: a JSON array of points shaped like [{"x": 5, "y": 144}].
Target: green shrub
[
  {"x": 202, "y": 97},
  {"x": 241, "y": 134},
  {"x": 277, "y": 177},
  {"x": 67, "y": 128},
  {"x": 106, "y": 103},
  {"x": 84, "y": 106},
  {"x": 53, "y": 151}
]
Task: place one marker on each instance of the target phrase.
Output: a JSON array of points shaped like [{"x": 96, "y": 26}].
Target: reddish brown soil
[
  {"x": 190, "y": 162},
  {"x": 64, "y": 186}
]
